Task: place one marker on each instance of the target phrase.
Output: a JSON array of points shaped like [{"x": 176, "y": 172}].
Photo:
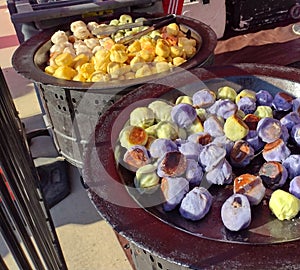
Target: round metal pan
[
  {"x": 196, "y": 244},
  {"x": 31, "y": 57}
]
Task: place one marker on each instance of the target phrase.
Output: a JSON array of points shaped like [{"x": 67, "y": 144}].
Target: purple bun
[
  {"x": 247, "y": 105},
  {"x": 251, "y": 186},
  {"x": 292, "y": 164},
  {"x": 273, "y": 174},
  {"x": 223, "y": 108},
  {"x": 211, "y": 155},
  {"x": 269, "y": 129},
  {"x": 294, "y": 187},
  {"x": 295, "y": 134},
  {"x": 241, "y": 154},
  {"x": 282, "y": 101},
  {"x": 202, "y": 138},
  {"x": 183, "y": 115},
  {"x": 276, "y": 151},
  {"x": 204, "y": 98},
  {"x": 191, "y": 150},
  {"x": 264, "y": 98},
  {"x": 214, "y": 126},
  {"x": 214, "y": 107},
  {"x": 254, "y": 140},
  {"x": 289, "y": 120},
  {"x": 173, "y": 189},
  {"x": 236, "y": 212},
  {"x": 226, "y": 108},
  {"x": 171, "y": 164},
  {"x": 194, "y": 172},
  {"x": 196, "y": 204},
  {"x": 220, "y": 175},
  {"x": 136, "y": 156},
  {"x": 161, "y": 146}
]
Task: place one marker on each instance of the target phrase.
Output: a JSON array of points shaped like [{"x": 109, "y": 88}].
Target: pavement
[{"x": 87, "y": 241}]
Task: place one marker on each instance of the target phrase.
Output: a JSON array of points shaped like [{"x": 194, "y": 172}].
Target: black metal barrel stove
[{"x": 73, "y": 108}]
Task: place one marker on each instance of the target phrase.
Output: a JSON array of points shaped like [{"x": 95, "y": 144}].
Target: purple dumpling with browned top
[
  {"x": 136, "y": 157},
  {"x": 282, "y": 101},
  {"x": 236, "y": 212},
  {"x": 276, "y": 151},
  {"x": 273, "y": 174},
  {"x": 171, "y": 164},
  {"x": 241, "y": 154}
]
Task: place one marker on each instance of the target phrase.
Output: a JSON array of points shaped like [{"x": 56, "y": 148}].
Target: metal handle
[
  {"x": 110, "y": 29},
  {"x": 128, "y": 39}
]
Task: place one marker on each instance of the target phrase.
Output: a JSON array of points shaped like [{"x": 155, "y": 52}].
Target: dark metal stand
[{"x": 24, "y": 214}]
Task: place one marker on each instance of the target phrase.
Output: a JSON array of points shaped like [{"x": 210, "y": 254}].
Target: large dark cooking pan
[
  {"x": 31, "y": 57},
  {"x": 73, "y": 107},
  {"x": 267, "y": 244}
]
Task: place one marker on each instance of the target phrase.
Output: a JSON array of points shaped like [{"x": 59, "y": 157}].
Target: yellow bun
[{"x": 284, "y": 205}]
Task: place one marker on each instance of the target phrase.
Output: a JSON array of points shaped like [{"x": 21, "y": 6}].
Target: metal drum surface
[
  {"x": 169, "y": 241},
  {"x": 73, "y": 107}
]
